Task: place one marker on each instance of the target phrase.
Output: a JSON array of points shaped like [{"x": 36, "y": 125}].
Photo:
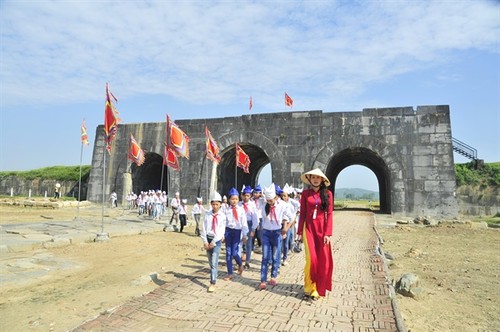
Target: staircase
[{"x": 464, "y": 149}]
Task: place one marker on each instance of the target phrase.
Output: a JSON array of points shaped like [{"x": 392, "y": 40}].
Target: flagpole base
[{"x": 101, "y": 237}]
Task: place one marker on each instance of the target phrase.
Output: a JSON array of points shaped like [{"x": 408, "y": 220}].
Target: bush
[
  {"x": 488, "y": 175},
  {"x": 60, "y": 173}
]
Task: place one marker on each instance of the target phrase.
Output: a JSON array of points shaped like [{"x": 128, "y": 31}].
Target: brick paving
[{"x": 360, "y": 299}]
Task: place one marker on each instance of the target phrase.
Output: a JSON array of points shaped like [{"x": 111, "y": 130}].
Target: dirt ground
[
  {"x": 458, "y": 267},
  {"x": 459, "y": 271}
]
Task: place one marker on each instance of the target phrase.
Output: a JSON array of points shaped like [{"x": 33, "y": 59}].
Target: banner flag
[
  {"x": 84, "y": 136},
  {"x": 288, "y": 100},
  {"x": 212, "y": 148},
  {"x": 170, "y": 158},
  {"x": 242, "y": 159},
  {"x": 178, "y": 140},
  {"x": 110, "y": 119},
  {"x": 136, "y": 154}
]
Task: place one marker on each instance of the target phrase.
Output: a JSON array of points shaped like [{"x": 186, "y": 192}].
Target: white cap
[
  {"x": 269, "y": 192},
  {"x": 287, "y": 189},
  {"x": 177, "y": 193},
  {"x": 215, "y": 197},
  {"x": 184, "y": 201},
  {"x": 199, "y": 199}
]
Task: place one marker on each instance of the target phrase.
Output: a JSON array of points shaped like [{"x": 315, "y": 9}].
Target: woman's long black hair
[{"x": 323, "y": 194}]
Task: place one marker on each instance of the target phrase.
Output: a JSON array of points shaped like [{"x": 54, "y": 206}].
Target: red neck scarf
[
  {"x": 235, "y": 213},
  {"x": 214, "y": 223},
  {"x": 272, "y": 213}
]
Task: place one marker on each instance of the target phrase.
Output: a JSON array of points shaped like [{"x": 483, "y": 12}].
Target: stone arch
[
  {"x": 368, "y": 152},
  {"x": 148, "y": 175},
  {"x": 369, "y": 159},
  {"x": 260, "y": 149}
]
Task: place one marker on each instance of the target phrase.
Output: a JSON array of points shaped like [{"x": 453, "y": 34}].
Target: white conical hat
[
  {"x": 215, "y": 197},
  {"x": 305, "y": 177},
  {"x": 269, "y": 192}
]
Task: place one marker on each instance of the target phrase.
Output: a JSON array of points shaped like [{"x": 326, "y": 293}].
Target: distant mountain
[{"x": 355, "y": 193}]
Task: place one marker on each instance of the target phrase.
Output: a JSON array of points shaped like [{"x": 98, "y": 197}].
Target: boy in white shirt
[{"x": 212, "y": 234}]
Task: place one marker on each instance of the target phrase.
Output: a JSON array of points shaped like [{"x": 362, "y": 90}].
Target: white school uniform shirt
[
  {"x": 182, "y": 209},
  {"x": 175, "y": 202},
  {"x": 198, "y": 209},
  {"x": 274, "y": 220},
  {"x": 206, "y": 227},
  {"x": 258, "y": 204},
  {"x": 251, "y": 214},
  {"x": 241, "y": 223}
]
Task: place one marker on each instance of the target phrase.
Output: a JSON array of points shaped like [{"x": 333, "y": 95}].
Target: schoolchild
[
  {"x": 174, "y": 204},
  {"x": 224, "y": 203},
  {"x": 212, "y": 232},
  {"x": 157, "y": 205},
  {"x": 288, "y": 241},
  {"x": 275, "y": 218},
  {"x": 252, "y": 222},
  {"x": 196, "y": 212},
  {"x": 236, "y": 230},
  {"x": 141, "y": 203},
  {"x": 259, "y": 202},
  {"x": 183, "y": 213}
]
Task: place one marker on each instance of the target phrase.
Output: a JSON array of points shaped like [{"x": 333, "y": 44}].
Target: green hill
[{"x": 355, "y": 194}]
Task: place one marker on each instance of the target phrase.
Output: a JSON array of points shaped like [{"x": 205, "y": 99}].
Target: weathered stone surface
[
  {"x": 408, "y": 285},
  {"x": 409, "y": 151}
]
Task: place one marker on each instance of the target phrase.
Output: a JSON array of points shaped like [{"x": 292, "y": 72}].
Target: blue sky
[{"x": 203, "y": 59}]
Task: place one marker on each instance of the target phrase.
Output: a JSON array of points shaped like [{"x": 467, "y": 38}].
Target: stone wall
[
  {"x": 477, "y": 201},
  {"x": 409, "y": 151},
  {"x": 21, "y": 187}
]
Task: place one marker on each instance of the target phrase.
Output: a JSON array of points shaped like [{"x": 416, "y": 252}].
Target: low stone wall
[
  {"x": 21, "y": 187},
  {"x": 477, "y": 201},
  {"x": 49, "y": 203}
]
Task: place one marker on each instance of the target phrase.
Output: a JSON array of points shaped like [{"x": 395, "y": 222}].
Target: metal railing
[{"x": 464, "y": 149}]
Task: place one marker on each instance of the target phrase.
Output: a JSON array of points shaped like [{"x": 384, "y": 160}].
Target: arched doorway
[
  {"x": 149, "y": 175},
  {"x": 358, "y": 185},
  {"x": 226, "y": 176},
  {"x": 369, "y": 159}
]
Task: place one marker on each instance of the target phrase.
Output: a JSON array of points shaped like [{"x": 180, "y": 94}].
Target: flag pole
[
  {"x": 236, "y": 165},
  {"x": 79, "y": 183},
  {"x": 103, "y": 236},
  {"x": 167, "y": 141},
  {"x": 161, "y": 180}
]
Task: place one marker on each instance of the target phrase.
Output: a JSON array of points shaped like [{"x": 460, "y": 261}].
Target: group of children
[{"x": 268, "y": 216}]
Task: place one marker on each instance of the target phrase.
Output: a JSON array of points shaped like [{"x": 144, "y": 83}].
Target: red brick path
[{"x": 359, "y": 300}]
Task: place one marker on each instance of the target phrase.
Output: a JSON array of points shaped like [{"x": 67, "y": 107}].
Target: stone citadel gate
[{"x": 410, "y": 152}]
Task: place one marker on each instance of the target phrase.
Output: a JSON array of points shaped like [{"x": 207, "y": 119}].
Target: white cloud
[{"x": 214, "y": 52}]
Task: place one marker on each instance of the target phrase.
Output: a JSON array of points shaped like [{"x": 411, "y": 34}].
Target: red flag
[
  {"x": 110, "y": 119},
  {"x": 288, "y": 100},
  {"x": 170, "y": 158},
  {"x": 242, "y": 159},
  {"x": 136, "y": 154},
  {"x": 84, "y": 136},
  {"x": 212, "y": 148},
  {"x": 251, "y": 103},
  {"x": 178, "y": 140}
]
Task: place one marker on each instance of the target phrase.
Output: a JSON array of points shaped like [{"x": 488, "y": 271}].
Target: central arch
[
  {"x": 149, "y": 175},
  {"x": 227, "y": 178},
  {"x": 261, "y": 150},
  {"x": 369, "y": 159}
]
